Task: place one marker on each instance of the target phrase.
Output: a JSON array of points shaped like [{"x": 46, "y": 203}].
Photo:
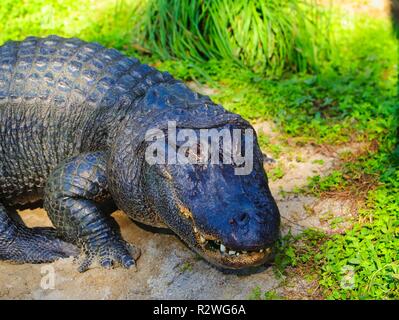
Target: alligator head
[{"x": 230, "y": 219}]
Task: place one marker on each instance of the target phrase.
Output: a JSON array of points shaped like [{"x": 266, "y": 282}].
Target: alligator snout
[{"x": 251, "y": 231}]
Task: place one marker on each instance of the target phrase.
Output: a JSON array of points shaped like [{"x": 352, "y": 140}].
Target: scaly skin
[{"x": 73, "y": 116}]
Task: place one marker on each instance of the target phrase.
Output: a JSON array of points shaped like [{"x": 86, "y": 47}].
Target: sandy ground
[{"x": 167, "y": 269}]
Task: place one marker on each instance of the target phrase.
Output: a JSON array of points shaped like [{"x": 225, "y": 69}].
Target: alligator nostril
[{"x": 242, "y": 216}]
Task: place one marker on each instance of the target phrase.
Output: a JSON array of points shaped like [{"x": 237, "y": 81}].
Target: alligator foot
[
  {"x": 113, "y": 252},
  {"x": 21, "y": 244},
  {"x": 73, "y": 197}
]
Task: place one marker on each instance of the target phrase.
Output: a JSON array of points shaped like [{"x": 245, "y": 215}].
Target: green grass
[
  {"x": 257, "y": 294},
  {"x": 346, "y": 92},
  {"x": 106, "y": 21},
  {"x": 370, "y": 248},
  {"x": 276, "y": 173},
  {"x": 333, "y": 182},
  {"x": 269, "y": 36}
]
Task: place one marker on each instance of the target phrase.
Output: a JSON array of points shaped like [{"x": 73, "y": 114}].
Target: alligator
[{"x": 74, "y": 116}]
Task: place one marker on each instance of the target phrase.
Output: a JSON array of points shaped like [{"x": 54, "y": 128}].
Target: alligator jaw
[{"x": 214, "y": 251}]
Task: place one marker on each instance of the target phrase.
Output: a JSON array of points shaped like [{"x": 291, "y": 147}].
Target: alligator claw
[
  {"x": 106, "y": 263},
  {"x": 110, "y": 254},
  {"x": 127, "y": 261}
]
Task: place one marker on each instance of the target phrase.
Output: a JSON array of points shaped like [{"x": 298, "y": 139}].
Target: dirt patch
[{"x": 299, "y": 163}]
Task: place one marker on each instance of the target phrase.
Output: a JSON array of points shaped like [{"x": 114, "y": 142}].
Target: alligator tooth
[
  {"x": 237, "y": 254},
  {"x": 222, "y": 248},
  {"x": 202, "y": 239},
  {"x": 231, "y": 252},
  {"x": 244, "y": 252},
  {"x": 195, "y": 229},
  {"x": 261, "y": 250}
]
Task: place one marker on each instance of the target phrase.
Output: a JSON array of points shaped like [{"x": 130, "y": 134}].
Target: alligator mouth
[{"x": 218, "y": 253}]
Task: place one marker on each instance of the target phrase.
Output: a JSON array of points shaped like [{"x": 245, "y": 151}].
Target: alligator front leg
[
  {"x": 73, "y": 195},
  {"x": 21, "y": 244}
]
